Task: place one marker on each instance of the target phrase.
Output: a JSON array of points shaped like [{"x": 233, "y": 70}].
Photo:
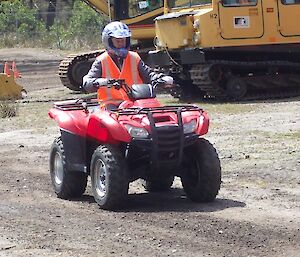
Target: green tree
[
  {"x": 18, "y": 23},
  {"x": 85, "y": 23}
]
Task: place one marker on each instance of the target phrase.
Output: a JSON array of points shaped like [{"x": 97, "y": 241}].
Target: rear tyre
[
  {"x": 158, "y": 184},
  {"x": 201, "y": 178},
  {"x": 67, "y": 184},
  {"x": 109, "y": 177}
]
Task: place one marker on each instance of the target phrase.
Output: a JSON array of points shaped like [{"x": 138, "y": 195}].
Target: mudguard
[
  {"x": 203, "y": 124},
  {"x": 101, "y": 126}
]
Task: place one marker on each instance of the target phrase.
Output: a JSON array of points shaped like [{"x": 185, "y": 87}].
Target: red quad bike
[{"x": 116, "y": 143}]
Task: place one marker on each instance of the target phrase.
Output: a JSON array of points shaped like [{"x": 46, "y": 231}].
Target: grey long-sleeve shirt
[{"x": 95, "y": 73}]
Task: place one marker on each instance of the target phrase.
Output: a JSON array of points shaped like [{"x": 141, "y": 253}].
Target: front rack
[
  {"x": 156, "y": 138},
  {"x": 82, "y": 104},
  {"x": 172, "y": 108}
]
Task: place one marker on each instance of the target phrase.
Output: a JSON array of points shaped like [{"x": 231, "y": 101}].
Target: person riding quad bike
[
  {"x": 117, "y": 62},
  {"x": 135, "y": 138}
]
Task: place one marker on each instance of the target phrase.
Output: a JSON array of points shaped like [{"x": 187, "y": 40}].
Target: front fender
[
  {"x": 203, "y": 124},
  {"x": 72, "y": 121},
  {"x": 105, "y": 127}
]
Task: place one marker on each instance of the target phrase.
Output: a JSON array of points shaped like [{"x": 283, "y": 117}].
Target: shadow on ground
[{"x": 173, "y": 200}]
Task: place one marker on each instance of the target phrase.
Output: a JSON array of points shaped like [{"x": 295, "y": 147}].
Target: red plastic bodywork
[{"x": 108, "y": 127}]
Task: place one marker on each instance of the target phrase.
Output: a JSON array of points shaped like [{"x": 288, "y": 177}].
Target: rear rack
[{"x": 72, "y": 105}]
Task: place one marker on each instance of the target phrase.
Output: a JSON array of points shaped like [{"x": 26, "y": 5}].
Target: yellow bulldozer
[
  {"x": 224, "y": 49},
  {"x": 9, "y": 89}
]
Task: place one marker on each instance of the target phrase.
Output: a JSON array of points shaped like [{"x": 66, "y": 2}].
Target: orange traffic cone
[
  {"x": 6, "y": 69},
  {"x": 17, "y": 74}
]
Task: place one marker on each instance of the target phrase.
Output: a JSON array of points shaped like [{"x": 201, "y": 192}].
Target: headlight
[
  {"x": 136, "y": 132},
  {"x": 189, "y": 127}
]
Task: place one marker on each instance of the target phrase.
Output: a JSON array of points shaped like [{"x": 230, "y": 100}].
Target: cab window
[
  {"x": 238, "y": 2},
  {"x": 186, "y": 3},
  {"x": 140, "y": 7},
  {"x": 290, "y": 1}
]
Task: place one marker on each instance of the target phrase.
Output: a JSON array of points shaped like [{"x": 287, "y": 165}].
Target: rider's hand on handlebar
[
  {"x": 168, "y": 80},
  {"x": 116, "y": 83},
  {"x": 101, "y": 82},
  {"x": 165, "y": 81}
]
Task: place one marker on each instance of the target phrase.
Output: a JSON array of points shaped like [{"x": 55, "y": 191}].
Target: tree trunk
[{"x": 51, "y": 14}]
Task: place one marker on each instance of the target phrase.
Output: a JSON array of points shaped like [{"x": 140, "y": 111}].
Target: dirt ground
[{"x": 257, "y": 211}]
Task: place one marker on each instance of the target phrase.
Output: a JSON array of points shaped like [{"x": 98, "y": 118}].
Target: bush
[{"x": 8, "y": 109}]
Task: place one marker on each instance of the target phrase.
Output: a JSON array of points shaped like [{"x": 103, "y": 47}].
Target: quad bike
[{"x": 116, "y": 143}]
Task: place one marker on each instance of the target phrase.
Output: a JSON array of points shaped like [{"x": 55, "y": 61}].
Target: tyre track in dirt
[{"x": 167, "y": 224}]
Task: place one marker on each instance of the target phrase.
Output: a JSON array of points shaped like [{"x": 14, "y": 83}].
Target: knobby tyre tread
[{"x": 74, "y": 182}]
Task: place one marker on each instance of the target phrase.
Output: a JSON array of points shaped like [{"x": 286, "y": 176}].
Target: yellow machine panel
[
  {"x": 182, "y": 30},
  {"x": 9, "y": 89},
  {"x": 288, "y": 15},
  {"x": 241, "y": 21},
  {"x": 228, "y": 23}
]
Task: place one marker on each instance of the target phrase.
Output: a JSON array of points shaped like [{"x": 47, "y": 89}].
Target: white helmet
[{"x": 116, "y": 29}]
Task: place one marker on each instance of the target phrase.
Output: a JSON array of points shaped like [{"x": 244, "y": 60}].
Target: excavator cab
[
  {"x": 132, "y": 8},
  {"x": 139, "y": 16}
]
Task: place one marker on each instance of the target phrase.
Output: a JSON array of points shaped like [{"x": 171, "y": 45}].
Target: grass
[
  {"x": 51, "y": 95},
  {"x": 277, "y": 136},
  {"x": 33, "y": 111},
  {"x": 30, "y": 116}
]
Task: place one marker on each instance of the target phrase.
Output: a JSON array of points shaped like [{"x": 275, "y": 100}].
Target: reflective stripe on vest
[
  {"x": 105, "y": 91},
  {"x": 129, "y": 72}
]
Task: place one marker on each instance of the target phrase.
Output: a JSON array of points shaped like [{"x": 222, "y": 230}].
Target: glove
[
  {"x": 117, "y": 85},
  {"x": 168, "y": 80},
  {"x": 101, "y": 82},
  {"x": 163, "y": 81}
]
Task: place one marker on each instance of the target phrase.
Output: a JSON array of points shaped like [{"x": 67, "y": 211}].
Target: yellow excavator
[
  {"x": 224, "y": 49},
  {"x": 231, "y": 49}
]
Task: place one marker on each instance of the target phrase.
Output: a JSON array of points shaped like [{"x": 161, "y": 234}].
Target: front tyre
[
  {"x": 201, "y": 178},
  {"x": 109, "y": 177},
  {"x": 67, "y": 184}
]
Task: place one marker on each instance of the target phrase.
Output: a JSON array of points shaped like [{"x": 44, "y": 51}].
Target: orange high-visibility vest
[{"x": 129, "y": 72}]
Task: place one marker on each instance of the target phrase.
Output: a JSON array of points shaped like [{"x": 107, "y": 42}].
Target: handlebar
[{"x": 116, "y": 83}]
